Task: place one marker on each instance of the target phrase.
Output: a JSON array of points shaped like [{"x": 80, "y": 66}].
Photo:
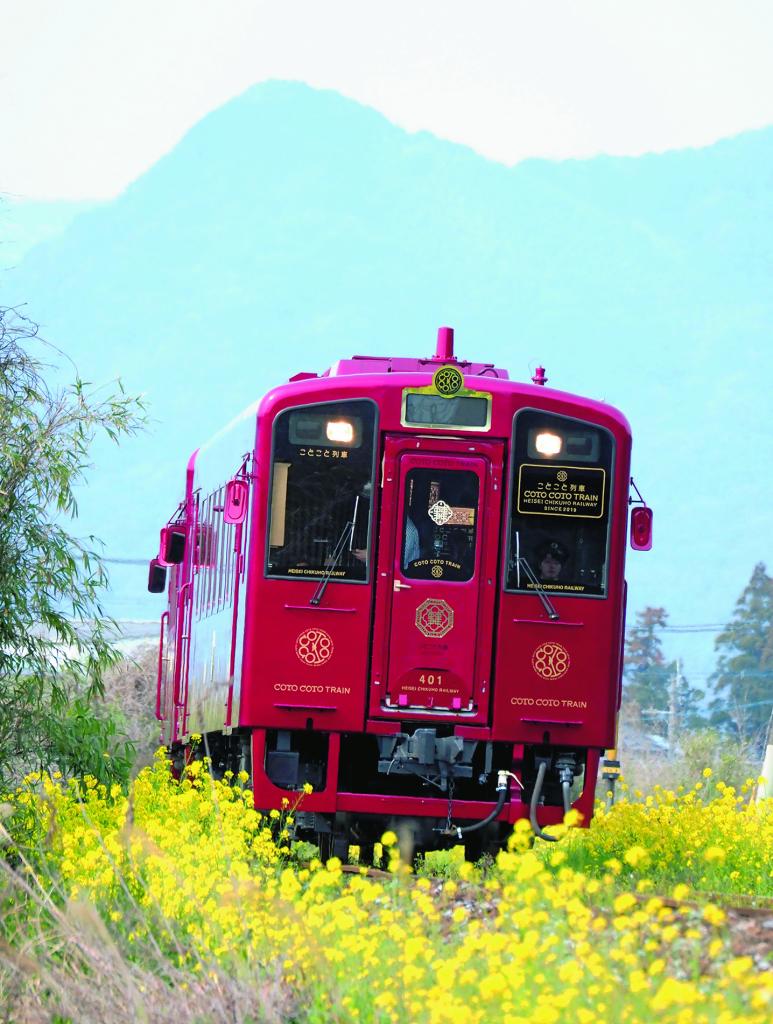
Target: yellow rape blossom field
[{"x": 181, "y": 890}]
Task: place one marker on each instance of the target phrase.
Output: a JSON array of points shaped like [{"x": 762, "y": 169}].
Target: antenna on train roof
[{"x": 445, "y": 344}]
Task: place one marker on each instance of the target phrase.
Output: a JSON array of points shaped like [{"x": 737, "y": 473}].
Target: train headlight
[
  {"x": 340, "y": 431},
  {"x": 547, "y": 443}
]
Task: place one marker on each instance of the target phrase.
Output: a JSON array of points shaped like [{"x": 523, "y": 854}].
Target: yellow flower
[
  {"x": 635, "y": 855},
  {"x": 739, "y": 967},
  {"x": 673, "y": 992},
  {"x": 714, "y": 853},
  {"x": 624, "y": 902},
  {"x": 637, "y": 981}
]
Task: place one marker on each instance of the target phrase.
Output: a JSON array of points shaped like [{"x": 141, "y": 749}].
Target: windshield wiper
[
  {"x": 546, "y": 602},
  {"x": 347, "y": 535}
]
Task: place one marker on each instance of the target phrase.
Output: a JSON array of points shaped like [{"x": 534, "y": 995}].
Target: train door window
[
  {"x": 560, "y": 497},
  {"x": 220, "y": 552},
  {"x": 439, "y": 524},
  {"x": 224, "y": 531},
  {"x": 228, "y": 552},
  {"x": 321, "y": 486}
]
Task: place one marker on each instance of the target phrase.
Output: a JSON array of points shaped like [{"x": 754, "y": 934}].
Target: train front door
[{"x": 441, "y": 507}]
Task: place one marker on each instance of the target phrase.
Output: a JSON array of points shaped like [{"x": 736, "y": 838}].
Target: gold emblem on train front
[
  {"x": 550, "y": 660},
  {"x": 562, "y": 475},
  {"x": 440, "y": 512},
  {"x": 434, "y": 618},
  {"x": 314, "y": 647},
  {"x": 437, "y": 571},
  {"x": 448, "y": 381}
]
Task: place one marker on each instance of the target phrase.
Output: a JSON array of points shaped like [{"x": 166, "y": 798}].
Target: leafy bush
[{"x": 53, "y": 632}]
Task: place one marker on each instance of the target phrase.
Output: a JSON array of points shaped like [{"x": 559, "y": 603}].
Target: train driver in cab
[
  {"x": 552, "y": 556},
  {"x": 411, "y": 542}
]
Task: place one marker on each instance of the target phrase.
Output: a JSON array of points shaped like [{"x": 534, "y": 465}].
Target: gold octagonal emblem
[{"x": 434, "y": 618}]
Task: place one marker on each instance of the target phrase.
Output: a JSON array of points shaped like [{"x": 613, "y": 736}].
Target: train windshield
[
  {"x": 559, "y": 505},
  {"x": 320, "y": 501}
]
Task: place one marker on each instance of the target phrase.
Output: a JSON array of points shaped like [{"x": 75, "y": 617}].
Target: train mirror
[
  {"x": 641, "y": 528},
  {"x": 236, "y": 493},
  {"x": 156, "y": 577},
  {"x": 171, "y": 549}
]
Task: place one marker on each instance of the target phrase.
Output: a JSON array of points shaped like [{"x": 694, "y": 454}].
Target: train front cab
[{"x": 401, "y": 646}]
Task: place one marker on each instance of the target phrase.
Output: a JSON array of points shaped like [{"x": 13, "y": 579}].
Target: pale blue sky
[{"x": 93, "y": 92}]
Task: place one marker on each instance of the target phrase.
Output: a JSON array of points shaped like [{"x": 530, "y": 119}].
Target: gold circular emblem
[
  {"x": 561, "y": 475},
  {"x": 448, "y": 381},
  {"x": 437, "y": 571},
  {"x": 434, "y": 618},
  {"x": 314, "y": 647},
  {"x": 550, "y": 660}
]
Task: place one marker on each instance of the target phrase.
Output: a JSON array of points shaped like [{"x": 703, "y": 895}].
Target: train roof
[
  {"x": 495, "y": 379},
  {"x": 385, "y": 370},
  {"x": 388, "y": 364},
  {"x": 444, "y": 354}
]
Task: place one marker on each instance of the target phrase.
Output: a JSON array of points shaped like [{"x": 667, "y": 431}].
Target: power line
[{"x": 697, "y": 628}]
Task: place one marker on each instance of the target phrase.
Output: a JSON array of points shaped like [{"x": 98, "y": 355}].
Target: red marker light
[{"x": 641, "y": 528}]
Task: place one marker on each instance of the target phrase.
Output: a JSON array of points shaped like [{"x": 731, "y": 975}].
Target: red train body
[{"x": 400, "y": 581}]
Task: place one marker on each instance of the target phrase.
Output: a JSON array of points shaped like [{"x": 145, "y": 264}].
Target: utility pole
[
  {"x": 673, "y": 693},
  {"x": 765, "y": 788}
]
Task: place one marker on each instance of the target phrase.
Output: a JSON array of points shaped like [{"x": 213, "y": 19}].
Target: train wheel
[
  {"x": 333, "y": 845},
  {"x": 367, "y": 853}
]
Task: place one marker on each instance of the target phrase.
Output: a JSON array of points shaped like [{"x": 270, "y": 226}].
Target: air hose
[
  {"x": 565, "y": 766},
  {"x": 566, "y": 789},
  {"x": 503, "y": 785},
  {"x": 537, "y": 792}
]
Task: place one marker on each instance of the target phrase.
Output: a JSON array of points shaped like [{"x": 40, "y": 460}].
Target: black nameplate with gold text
[{"x": 551, "y": 490}]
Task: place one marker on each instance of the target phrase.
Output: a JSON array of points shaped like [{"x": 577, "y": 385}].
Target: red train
[{"x": 402, "y": 581}]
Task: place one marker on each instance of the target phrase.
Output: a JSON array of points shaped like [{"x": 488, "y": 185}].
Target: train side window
[
  {"x": 560, "y": 500},
  {"x": 215, "y": 556},
  {"x": 439, "y": 524},
  {"x": 320, "y": 496}
]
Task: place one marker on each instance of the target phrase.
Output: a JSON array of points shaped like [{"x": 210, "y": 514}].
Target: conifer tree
[
  {"x": 743, "y": 680},
  {"x": 658, "y": 687},
  {"x": 646, "y": 671}
]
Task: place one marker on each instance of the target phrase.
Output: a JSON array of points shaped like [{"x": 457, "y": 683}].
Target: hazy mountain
[
  {"x": 293, "y": 227},
  {"x": 26, "y": 223}
]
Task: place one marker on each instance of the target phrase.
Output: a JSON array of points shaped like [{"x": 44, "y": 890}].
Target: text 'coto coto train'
[{"x": 402, "y": 582}]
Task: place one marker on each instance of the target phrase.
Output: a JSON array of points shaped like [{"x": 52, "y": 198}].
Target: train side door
[{"x": 436, "y": 582}]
